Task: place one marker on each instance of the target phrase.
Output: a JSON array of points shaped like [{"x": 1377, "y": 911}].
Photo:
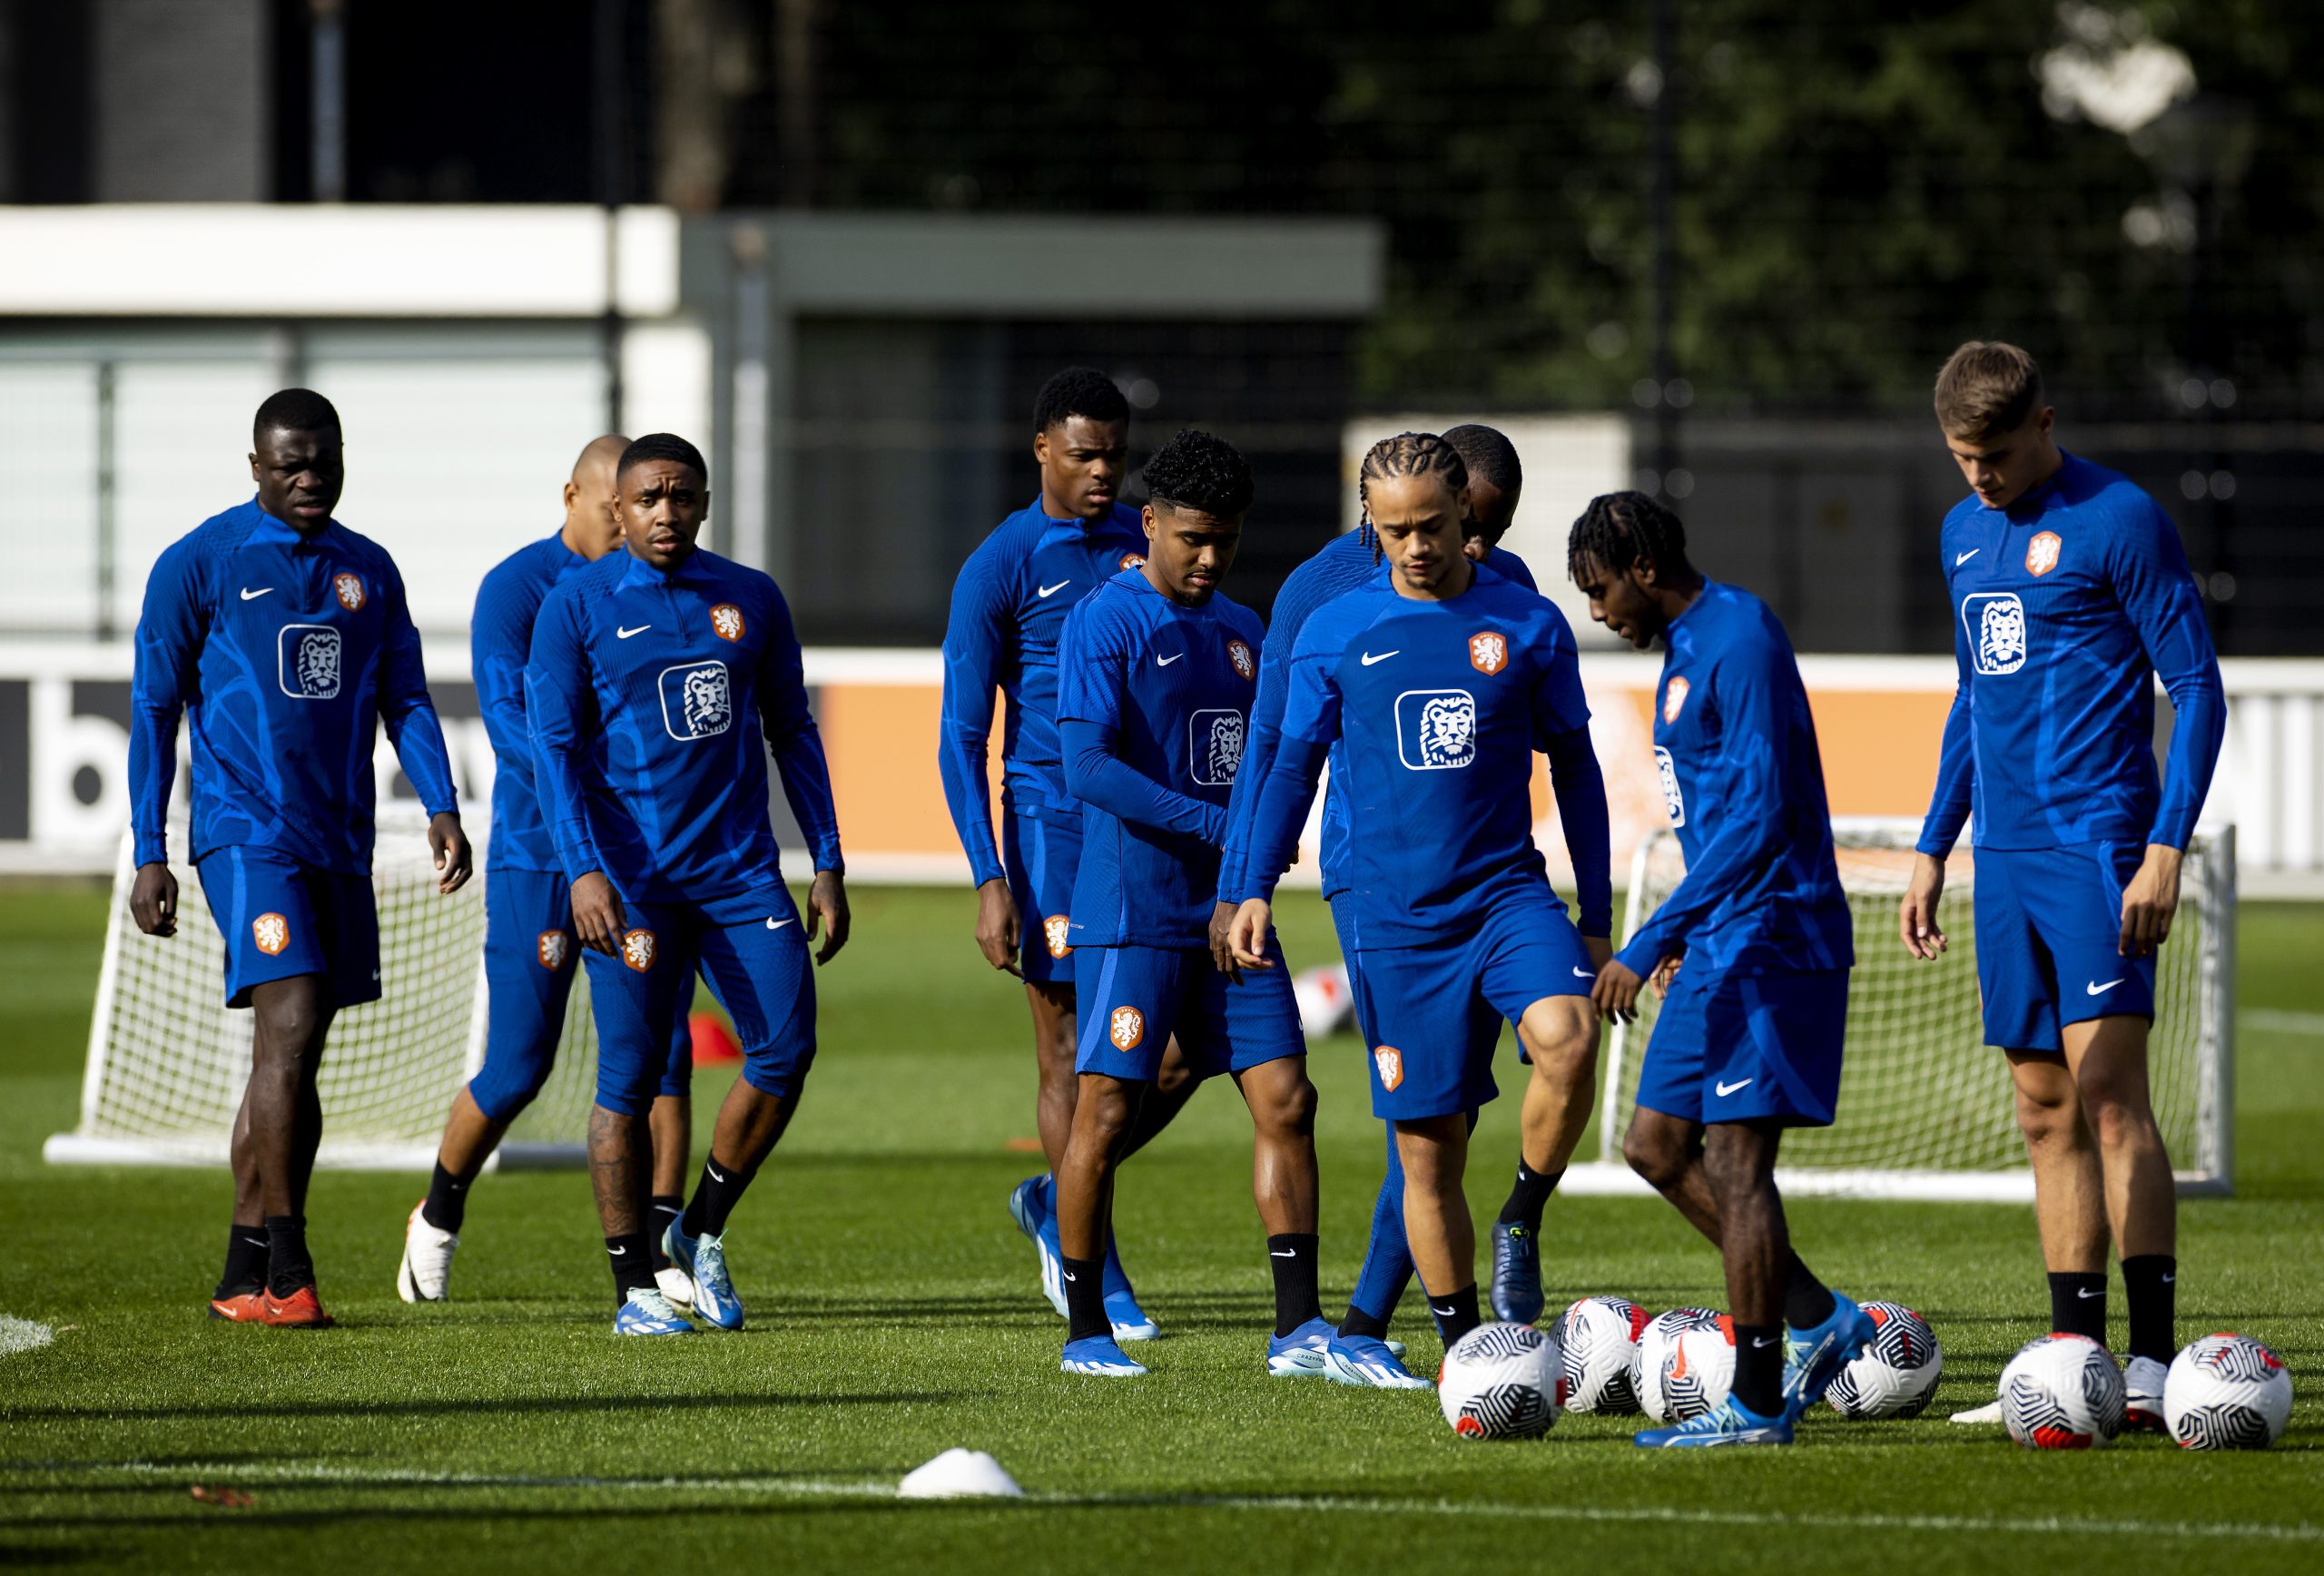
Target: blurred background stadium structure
[{"x": 1715, "y": 250}]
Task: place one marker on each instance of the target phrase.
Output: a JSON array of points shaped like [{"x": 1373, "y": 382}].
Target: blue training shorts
[
  {"x": 1734, "y": 1047},
  {"x": 752, "y": 950},
  {"x": 1419, "y": 1006},
  {"x": 281, "y": 918},
  {"x": 1484, "y": 1023},
  {"x": 1042, "y": 857},
  {"x": 1131, "y": 999},
  {"x": 529, "y": 956},
  {"x": 2049, "y": 927}
]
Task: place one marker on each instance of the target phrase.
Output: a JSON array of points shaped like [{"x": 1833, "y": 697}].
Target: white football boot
[
  {"x": 426, "y": 1260},
  {"x": 2142, "y": 1380}
]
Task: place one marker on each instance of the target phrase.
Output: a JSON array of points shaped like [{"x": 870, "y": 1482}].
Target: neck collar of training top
[
  {"x": 270, "y": 529},
  {"x": 1041, "y": 503},
  {"x": 641, "y": 573},
  {"x": 2044, "y": 493}
]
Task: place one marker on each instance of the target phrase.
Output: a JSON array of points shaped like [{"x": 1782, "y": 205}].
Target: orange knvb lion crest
[
  {"x": 1674, "y": 700},
  {"x": 1133, "y": 560},
  {"x": 1129, "y": 1028},
  {"x": 1240, "y": 655},
  {"x": 1489, "y": 652},
  {"x": 271, "y": 932},
  {"x": 726, "y": 621},
  {"x": 553, "y": 947},
  {"x": 637, "y": 949},
  {"x": 1053, "y": 931},
  {"x": 1390, "y": 1063},
  {"x": 348, "y": 589},
  {"x": 2041, "y": 552}
]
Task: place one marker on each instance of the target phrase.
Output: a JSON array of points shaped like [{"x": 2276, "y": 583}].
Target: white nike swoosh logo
[
  {"x": 1166, "y": 660},
  {"x": 1961, "y": 558},
  {"x": 1440, "y": 1312},
  {"x": 1583, "y": 974},
  {"x": 1369, "y": 659},
  {"x": 2097, "y": 990},
  {"x": 262, "y": 1242},
  {"x": 777, "y": 924},
  {"x": 251, "y": 595},
  {"x": 715, "y": 1174},
  {"x": 2086, "y": 1294},
  {"x": 1292, "y": 1254},
  {"x": 625, "y": 634},
  {"x": 617, "y": 1252},
  {"x": 1761, "y": 1343},
  {"x": 1071, "y": 1277},
  {"x": 1725, "y": 1089},
  {"x": 1045, "y": 592}
]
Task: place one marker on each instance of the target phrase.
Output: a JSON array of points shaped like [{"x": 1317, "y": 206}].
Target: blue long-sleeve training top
[
  {"x": 2067, "y": 605},
  {"x": 655, "y": 699},
  {"x": 1153, "y": 702},
  {"x": 501, "y": 642},
  {"x": 1009, "y": 608},
  {"x": 1339, "y": 567},
  {"x": 1743, "y": 783},
  {"x": 1438, "y": 708},
  {"x": 285, "y": 652}
]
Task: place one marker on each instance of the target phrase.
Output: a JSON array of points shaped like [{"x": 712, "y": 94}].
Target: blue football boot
[
  {"x": 1098, "y": 1354},
  {"x": 1368, "y": 1362},
  {"x": 1813, "y": 1356},
  {"x": 1516, "y": 1272},
  {"x": 649, "y": 1313},
  {"x": 704, "y": 1261},
  {"x": 1030, "y": 1207},
  {"x": 1301, "y": 1354},
  {"x": 1728, "y": 1423}
]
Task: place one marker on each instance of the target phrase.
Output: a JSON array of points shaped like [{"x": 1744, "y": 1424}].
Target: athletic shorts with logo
[
  {"x": 281, "y": 919},
  {"x": 2049, "y": 930},
  {"x": 529, "y": 957},
  {"x": 1041, "y": 856},
  {"x": 1485, "y": 1024},
  {"x": 1733, "y": 1046},
  {"x": 1420, "y": 1006},
  {"x": 751, "y": 949},
  {"x": 1131, "y": 999}
]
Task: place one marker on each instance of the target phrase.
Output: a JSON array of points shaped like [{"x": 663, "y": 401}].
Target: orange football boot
[
  {"x": 245, "y": 1306},
  {"x": 302, "y": 1310}
]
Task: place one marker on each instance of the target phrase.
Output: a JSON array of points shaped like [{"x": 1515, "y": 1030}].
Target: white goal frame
[{"x": 2195, "y": 990}]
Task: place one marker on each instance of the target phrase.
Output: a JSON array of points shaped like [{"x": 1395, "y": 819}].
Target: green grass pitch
[{"x": 895, "y": 1314}]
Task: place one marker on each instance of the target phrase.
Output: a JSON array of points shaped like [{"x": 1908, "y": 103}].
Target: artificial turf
[{"x": 893, "y": 1314}]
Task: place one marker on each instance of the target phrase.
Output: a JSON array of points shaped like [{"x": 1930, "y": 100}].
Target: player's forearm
[
  {"x": 1242, "y": 806},
  {"x": 961, "y": 765},
  {"x": 153, "y": 774},
  {"x": 1095, "y": 775},
  {"x": 1286, "y": 795},
  {"x": 2199, "y": 727},
  {"x": 1948, "y": 806},
  {"x": 807, "y": 785},
  {"x": 1580, "y": 785},
  {"x": 418, "y": 737}
]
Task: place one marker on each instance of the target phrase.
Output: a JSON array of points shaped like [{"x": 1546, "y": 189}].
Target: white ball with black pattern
[
  {"x": 1503, "y": 1380},
  {"x": 2227, "y": 1391}
]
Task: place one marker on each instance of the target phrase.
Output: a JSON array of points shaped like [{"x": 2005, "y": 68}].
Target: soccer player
[
  {"x": 1364, "y": 1356},
  {"x": 1009, "y": 608},
  {"x": 1157, "y": 672},
  {"x": 528, "y": 953},
  {"x": 661, "y": 678},
  {"x": 1431, "y": 687},
  {"x": 286, "y": 640},
  {"x": 1753, "y": 948},
  {"x": 2071, "y": 595}
]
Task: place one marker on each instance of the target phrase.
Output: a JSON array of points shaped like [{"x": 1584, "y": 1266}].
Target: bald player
[{"x": 529, "y": 952}]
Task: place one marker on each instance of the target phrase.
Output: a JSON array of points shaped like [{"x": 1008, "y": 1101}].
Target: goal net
[
  {"x": 1925, "y": 1108},
  {"x": 168, "y": 1060}
]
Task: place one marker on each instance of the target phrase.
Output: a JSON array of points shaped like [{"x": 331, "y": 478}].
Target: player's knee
[
  {"x": 1653, "y": 1155},
  {"x": 2118, "y": 1117},
  {"x": 1563, "y": 1043},
  {"x": 2048, "y": 1112},
  {"x": 1290, "y": 1112},
  {"x": 292, "y": 1024}
]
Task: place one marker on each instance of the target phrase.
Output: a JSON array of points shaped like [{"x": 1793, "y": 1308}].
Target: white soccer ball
[
  {"x": 1896, "y": 1376},
  {"x": 1599, "y": 1338},
  {"x": 1655, "y": 1344},
  {"x": 2227, "y": 1391},
  {"x": 2062, "y": 1392},
  {"x": 1326, "y": 1005},
  {"x": 1699, "y": 1371},
  {"x": 1501, "y": 1382}
]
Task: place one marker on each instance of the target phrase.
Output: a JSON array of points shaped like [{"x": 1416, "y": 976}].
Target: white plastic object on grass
[
  {"x": 960, "y": 1474},
  {"x": 23, "y": 1336}
]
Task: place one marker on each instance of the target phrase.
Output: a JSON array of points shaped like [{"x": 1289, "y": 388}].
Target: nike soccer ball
[
  {"x": 1655, "y": 1344},
  {"x": 2062, "y": 1392},
  {"x": 1896, "y": 1376},
  {"x": 1599, "y": 1338},
  {"x": 1699, "y": 1371},
  {"x": 2227, "y": 1393},
  {"x": 1326, "y": 1005},
  {"x": 1501, "y": 1382}
]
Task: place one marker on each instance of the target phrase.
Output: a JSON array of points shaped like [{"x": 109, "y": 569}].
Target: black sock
[
  {"x": 246, "y": 1248},
  {"x": 2078, "y": 1304},
  {"x": 633, "y": 1266},
  {"x": 447, "y": 1200},
  {"x": 1085, "y": 1298},
  {"x": 2150, "y": 1294},
  {"x": 1758, "y": 1368},
  {"x": 288, "y": 1267},
  {"x": 1456, "y": 1315},
  {"x": 1359, "y": 1323},
  {"x": 1806, "y": 1301},
  {"x": 1292, "y": 1257},
  {"x": 715, "y": 1198},
  {"x": 667, "y": 1207},
  {"x": 1527, "y": 1198}
]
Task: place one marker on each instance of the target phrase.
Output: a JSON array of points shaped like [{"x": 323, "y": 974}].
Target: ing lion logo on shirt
[
  {"x": 553, "y": 947},
  {"x": 2042, "y": 553},
  {"x": 1215, "y": 746},
  {"x": 270, "y": 932},
  {"x": 1995, "y": 624},
  {"x": 1054, "y": 930},
  {"x": 307, "y": 665},
  {"x": 1390, "y": 1063},
  {"x": 637, "y": 949},
  {"x": 1436, "y": 729},
  {"x": 1489, "y": 652},
  {"x": 1128, "y": 1029},
  {"x": 348, "y": 589},
  {"x": 697, "y": 700},
  {"x": 1674, "y": 700},
  {"x": 1240, "y": 655},
  {"x": 726, "y": 621}
]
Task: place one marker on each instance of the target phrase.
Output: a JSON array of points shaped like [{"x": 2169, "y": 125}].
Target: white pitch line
[
  {"x": 2276, "y": 1020},
  {"x": 243, "y": 1472},
  {"x": 23, "y": 1336}
]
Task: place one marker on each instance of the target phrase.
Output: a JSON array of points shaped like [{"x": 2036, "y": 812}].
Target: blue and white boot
[
  {"x": 1098, "y": 1356},
  {"x": 649, "y": 1313},
  {"x": 1369, "y": 1363},
  {"x": 1129, "y": 1321},
  {"x": 1301, "y": 1354},
  {"x": 1728, "y": 1423},
  {"x": 703, "y": 1260},
  {"x": 1814, "y": 1358},
  {"x": 1030, "y": 1206}
]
